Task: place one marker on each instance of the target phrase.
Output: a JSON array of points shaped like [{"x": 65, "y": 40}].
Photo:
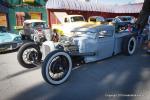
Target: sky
[{"x": 118, "y": 2}]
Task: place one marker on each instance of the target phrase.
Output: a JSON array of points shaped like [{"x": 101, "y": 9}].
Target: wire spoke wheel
[
  {"x": 56, "y": 67},
  {"x": 59, "y": 67},
  {"x": 30, "y": 55}
]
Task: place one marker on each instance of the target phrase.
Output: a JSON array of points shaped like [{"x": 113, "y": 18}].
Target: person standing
[
  {"x": 149, "y": 28},
  {"x": 143, "y": 16},
  {"x": 143, "y": 19},
  {"x": 148, "y": 45}
]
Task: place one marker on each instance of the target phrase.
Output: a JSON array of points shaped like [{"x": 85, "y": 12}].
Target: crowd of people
[{"x": 143, "y": 19}]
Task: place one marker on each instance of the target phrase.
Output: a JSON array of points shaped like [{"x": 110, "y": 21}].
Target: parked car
[
  {"x": 38, "y": 28},
  {"x": 9, "y": 41},
  {"x": 70, "y": 22},
  {"x": 34, "y": 32},
  {"x": 89, "y": 44}
]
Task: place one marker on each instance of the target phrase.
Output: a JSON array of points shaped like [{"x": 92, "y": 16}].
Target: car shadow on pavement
[
  {"x": 19, "y": 73},
  {"x": 9, "y": 51},
  {"x": 102, "y": 80}
]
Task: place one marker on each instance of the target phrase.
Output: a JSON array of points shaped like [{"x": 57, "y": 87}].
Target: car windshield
[
  {"x": 77, "y": 18},
  {"x": 40, "y": 25}
]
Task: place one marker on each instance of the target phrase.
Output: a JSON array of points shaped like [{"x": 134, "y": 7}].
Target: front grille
[
  {"x": 47, "y": 49},
  {"x": 71, "y": 48}
]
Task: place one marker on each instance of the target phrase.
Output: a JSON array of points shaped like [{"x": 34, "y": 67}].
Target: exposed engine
[
  {"x": 65, "y": 43},
  {"x": 68, "y": 44}
]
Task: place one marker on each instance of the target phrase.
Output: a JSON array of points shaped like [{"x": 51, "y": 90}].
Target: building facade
[
  {"x": 4, "y": 14},
  {"x": 58, "y": 8},
  {"x": 20, "y": 10}
]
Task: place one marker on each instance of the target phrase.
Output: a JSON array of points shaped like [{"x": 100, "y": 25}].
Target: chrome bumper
[{"x": 9, "y": 46}]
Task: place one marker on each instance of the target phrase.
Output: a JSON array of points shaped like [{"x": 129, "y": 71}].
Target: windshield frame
[{"x": 42, "y": 25}]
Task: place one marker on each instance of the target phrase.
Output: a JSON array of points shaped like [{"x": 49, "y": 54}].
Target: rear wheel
[
  {"x": 29, "y": 54},
  {"x": 57, "y": 67},
  {"x": 129, "y": 45}
]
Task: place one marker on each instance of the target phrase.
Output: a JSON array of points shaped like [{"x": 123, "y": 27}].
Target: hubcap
[
  {"x": 30, "y": 55},
  {"x": 58, "y": 68},
  {"x": 131, "y": 47}
]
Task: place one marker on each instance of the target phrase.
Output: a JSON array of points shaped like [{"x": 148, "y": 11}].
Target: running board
[{"x": 82, "y": 54}]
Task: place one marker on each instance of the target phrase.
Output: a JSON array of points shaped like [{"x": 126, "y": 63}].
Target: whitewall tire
[{"x": 56, "y": 67}]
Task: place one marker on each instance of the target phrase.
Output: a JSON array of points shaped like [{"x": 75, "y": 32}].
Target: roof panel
[{"x": 91, "y": 6}]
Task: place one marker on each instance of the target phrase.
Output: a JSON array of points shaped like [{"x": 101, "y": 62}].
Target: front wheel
[
  {"x": 56, "y": 67},
  {"x": 29, "y": 54}
]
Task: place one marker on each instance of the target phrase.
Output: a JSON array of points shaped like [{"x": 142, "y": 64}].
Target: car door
[{"x": 106, "y": 43}]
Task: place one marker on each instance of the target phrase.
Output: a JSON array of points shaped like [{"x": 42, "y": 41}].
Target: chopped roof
[{"x": 93, "y": 28}]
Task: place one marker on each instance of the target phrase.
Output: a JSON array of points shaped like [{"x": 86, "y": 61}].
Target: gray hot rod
[{"x": 88, "y": 44}]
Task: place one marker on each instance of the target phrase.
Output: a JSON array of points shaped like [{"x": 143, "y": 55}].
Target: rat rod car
[
  {"x": 89, "y": 44},
  {"x": 33, "y": 34},
  {"x": 34, "y": 27}
]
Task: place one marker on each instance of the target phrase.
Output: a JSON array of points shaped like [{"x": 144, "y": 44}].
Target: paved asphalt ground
[{"x": 116, "y": 78}]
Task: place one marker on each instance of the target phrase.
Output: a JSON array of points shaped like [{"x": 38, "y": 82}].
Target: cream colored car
[
  {"x": 35, "y": 29},
  {"x": 70, "y": 22}
]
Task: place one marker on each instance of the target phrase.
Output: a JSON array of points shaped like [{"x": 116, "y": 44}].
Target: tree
[{"x": 144, "y": 14}]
